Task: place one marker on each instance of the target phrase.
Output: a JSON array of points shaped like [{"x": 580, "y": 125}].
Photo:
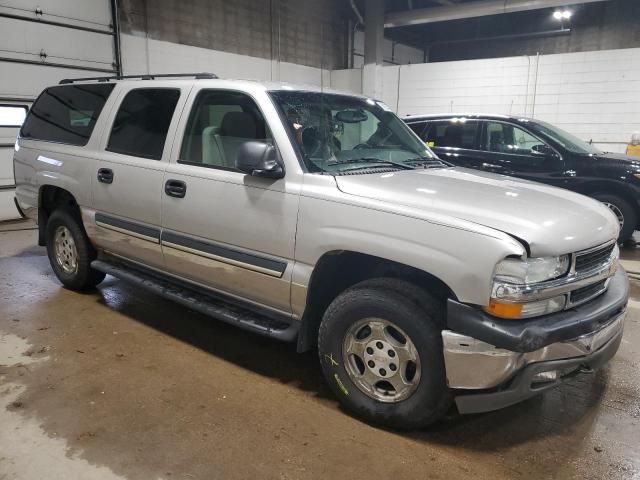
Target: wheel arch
[
  {"x": 338, "y": 270},
  {"x": 50, "y": 198}
]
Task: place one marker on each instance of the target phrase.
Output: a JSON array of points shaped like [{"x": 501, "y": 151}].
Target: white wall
[
  {"x": 143, "y": 55},
  {"x": 594, "y": 95}
]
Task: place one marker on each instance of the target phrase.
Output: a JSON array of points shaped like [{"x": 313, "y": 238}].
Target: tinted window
[
  {"x": 506, "y": 138},
  {"x": 219, "y": 123},
  {"x": 417, "y": 127},
  {"x": 12, "y": 115},
  {"x": 457, "y": 133},
  {"x": 142, "y": 122},
  {"x": 66, "y": 114}
]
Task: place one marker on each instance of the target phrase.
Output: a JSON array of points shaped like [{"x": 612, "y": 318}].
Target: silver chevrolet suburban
[{"x": 321, "y": 218}]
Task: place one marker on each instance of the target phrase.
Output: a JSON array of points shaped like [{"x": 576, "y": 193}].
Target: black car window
[
  {"x": 418, "y": 128},
  {"x": 142, "y": 122},
  {"x": 66, "y": 114},
  {"x": 456, "y": 133},
  {"x": 507, "y": 138}
]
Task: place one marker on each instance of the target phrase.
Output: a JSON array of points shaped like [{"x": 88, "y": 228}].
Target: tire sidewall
[
  {"x": 425, "y": 402},
  {"x": 79, "y": 279},
  {"x": 630, "y": 217}
]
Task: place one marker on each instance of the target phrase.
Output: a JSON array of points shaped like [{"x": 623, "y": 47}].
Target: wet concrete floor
[{"x": 119, "y": 383}]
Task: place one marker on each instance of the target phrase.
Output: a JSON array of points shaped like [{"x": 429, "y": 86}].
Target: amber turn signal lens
[{"x": 504, "y": 310}]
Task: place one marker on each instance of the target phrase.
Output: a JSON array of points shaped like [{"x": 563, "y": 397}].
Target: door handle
[
  {"x": 492, "y": 166},
  {"x": 175, "y": 188},
  {"x": 105, "y": 175}
]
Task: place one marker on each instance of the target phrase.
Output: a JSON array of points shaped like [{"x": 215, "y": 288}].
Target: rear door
[
  {"x": 12, "y": 115},
  {"x": 454, "y": 140},
  {"x": 129, "y": 170},
  {"x": 510, "y": 149}
]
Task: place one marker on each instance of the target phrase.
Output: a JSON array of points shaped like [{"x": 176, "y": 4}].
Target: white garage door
[{"x": 43, "y": 43}]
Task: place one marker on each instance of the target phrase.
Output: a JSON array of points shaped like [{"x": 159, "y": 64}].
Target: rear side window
[
  {"x": 142, "y": 122},
  {"x": 66, "y": 114},
  {"x": 456, "y": 133}
]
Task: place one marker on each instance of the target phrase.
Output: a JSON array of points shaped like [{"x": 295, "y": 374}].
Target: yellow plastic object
[
  {"x": 504, "y": 310},
  {"x": 633, "y": 150}
]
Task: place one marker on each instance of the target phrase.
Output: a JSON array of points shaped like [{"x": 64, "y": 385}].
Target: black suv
[{"x": 535, "y": 150}]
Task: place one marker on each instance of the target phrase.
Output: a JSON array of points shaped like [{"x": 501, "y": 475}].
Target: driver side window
[
  {"x": 221, "y": 121},
  {"x": 506, "y": 138}
]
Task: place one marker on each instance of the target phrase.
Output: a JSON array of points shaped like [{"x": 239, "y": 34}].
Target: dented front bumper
[{"x": 495, "y": 363}]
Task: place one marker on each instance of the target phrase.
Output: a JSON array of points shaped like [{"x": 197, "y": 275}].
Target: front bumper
[{"x": 499, "y": 363}]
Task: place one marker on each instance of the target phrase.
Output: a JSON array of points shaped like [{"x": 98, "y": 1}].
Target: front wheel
[
  {"x": 381, "y": 353},
  {"x": 70, "y": 252},
  {"x": 626, "y": 215}
]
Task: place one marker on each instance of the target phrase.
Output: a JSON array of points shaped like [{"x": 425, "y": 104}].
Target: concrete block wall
[
  {"x": 394, "y": 53},
  {"x": 594, "y": 95},
  {"x": 306, "y": 32}
]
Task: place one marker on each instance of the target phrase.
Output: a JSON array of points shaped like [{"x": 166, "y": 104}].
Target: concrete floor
[{"x": 118, "y": 383}]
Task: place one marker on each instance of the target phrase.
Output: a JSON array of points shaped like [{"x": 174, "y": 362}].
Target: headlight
[
  {"x": 512, "y": 279},
  {"x": 532, "y": 270}
]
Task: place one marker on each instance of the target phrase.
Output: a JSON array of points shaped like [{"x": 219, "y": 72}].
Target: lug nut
[
  {"x": 371, "y": 363},
  {"x": 383, "y": 372},
  {"x": 370, "y": 350},
  {"x": 379, "y": 345}
]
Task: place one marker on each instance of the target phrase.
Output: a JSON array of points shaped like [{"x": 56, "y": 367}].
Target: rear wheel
[
  {"x": 381, "y": 353},
  {"x": 70, "y": 252},
  {"x": 624, "y": 212}
]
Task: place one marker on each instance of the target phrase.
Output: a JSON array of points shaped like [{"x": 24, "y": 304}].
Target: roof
[
  {"x": 485, "y": 116},
  {"x": 208, "y": 78}
]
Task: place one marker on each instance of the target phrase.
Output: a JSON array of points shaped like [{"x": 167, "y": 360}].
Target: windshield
[
  {"x": 568, "y": 141},
  {"x": 339, "y": 133}
]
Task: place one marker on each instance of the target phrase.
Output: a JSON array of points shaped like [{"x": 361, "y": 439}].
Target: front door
[
  {"x": 511, "y": 150},
  {"x": 223, "y": 229},
  {"x": 129, "y": 171}
]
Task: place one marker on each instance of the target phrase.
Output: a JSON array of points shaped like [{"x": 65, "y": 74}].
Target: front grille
[
  {"x": 585, "y": 293},
  {"x": 591, "y": 260}
]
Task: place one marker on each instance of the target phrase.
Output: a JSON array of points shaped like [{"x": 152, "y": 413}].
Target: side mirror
[
  {"x": 543, "y": 150},
  {"x": 260, "y": 160}
]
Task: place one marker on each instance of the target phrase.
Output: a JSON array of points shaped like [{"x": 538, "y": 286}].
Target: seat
[
  {"x": 236, "y": 129},
  {"x": 212, "y": 148}
]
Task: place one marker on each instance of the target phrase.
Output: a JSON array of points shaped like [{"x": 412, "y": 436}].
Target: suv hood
[
  {"x": 551, "y": 220},
  {"x": 619, "y": 159}
]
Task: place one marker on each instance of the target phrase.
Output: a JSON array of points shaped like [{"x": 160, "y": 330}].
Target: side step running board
[{"x": 201, "y": 302}]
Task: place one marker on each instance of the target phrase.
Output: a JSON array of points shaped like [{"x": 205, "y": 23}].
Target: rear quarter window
[
  {"x": 66, "y": 114},
  {"x": 452, "y": 133}
]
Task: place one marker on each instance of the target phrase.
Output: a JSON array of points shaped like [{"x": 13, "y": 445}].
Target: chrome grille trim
[{"x": 593, "y": 258}]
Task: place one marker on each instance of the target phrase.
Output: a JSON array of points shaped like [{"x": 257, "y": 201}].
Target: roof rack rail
[{"x": 197, "y": 76}]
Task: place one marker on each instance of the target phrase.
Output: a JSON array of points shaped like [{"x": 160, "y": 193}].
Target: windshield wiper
[
  {"x": 371, "y": 160},
  {"x": 427, "y": 162}
]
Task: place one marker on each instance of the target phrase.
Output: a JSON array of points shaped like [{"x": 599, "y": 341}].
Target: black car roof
[{"x": 478, "y": 116}]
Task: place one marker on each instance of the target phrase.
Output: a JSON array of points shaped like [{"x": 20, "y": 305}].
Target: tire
[
  {"x": 404, "y": 311},
  {"x": 620, "y": 206},
  {"x": 71, "y": 258}
]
